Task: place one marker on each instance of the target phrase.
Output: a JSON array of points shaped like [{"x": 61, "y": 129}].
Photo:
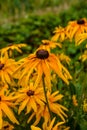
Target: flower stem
[{"x": 45, "y": 93}]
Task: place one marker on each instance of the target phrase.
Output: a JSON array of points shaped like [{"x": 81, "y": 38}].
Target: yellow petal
[
  {"x": 35, "y": 128},
  {"x": 30, "y": 71},
  {"x": 52, "y": 123},
  {"x": 9, "y": 113},
  {"x": 58, "y": 124},
  {"x": 19, "y": 50},
  {"x": 74, "y": 31},
  {"x": 28, "y": 108},
  {"x": 46, "y": 71},
  {"x": 0, "y": 119},
  {"x": 30, "y": 117},
  {"x": 39, "y": 76},
  {"x": 33, "y": 104},
  {"x": 23, "y": 105},
  {"x": 56, "y": 98},
  {"x": 7, "y": 77}
]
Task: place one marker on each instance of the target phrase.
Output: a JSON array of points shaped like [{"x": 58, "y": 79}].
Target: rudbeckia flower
[
  {"x": 30, "y": 98},
  {"x": 74, "y": 100},
  {"x": 42, "y": 62},
  {"x": 85, "y": 105},
  {"x": 8, "y": 51},
  {"x": 83, "y": 57},
  {"x": 64, "y": 58},
  {"x": 55, "y": 107},
  {"x": 7, "y": 67},
  {"x": 81, "y": 37},
  {"x": 74, "y": 28},
  {"x": 47, "y": 45},
  {"x": 59, "y": 34},
  {"x": 6, "y": 102},
  {"x": 50, "y": 126},
  {"x": 7, "y": 126}
]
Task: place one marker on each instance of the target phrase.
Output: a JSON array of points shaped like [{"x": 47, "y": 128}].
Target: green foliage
[{"x": 34, "y": 28}]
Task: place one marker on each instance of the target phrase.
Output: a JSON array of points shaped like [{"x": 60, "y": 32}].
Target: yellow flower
[
  {"x": 86, "y": 45},
  {"x": 55, "y": 107},
  {"x": 74, "y": 28},
  {"x": 7, "y": 67},
  {"x": 30, "y": 98},
  {"x": 6, "y": 101},
  {"x": 7, "y": 126},
  {"x": 75, "y": 103},
  {"x": 65, "y": 58},
  {"x": 47, "y": 45},
  {"x": 42, "y": 62},
  {"x": 50, "y": 126},
  {"x": 84, "y": 56},
  {"x": 80, "y": 38},
  {"x": 8, "y": 51},
  {"x": 85, "y": 105},
  {"x": 60, "y": 34}
]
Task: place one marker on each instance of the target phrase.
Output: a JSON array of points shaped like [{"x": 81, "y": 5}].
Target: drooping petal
[
  {"x": 39, "y": 75},
  {"x": 0, "y": 119},
  {"x": 9, "y": 113},
  {"x": 23, "y": 105},
  {"x": 52, "y": 123},
  {"x": 35, "y": 128},
  {"x": 30, "y": 71},
  {"x": 33, "y": 104},
  {"x": 46, "y": 71}
]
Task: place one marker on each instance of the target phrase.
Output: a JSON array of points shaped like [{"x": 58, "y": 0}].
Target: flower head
[
  {"x": 83, "y": 57},
  {"x": 74, "y": 100},
  {"x": 64, "y": 58},
  {"x": 81, "y": 37},
  {"x": 42, "y": 62},
  {"x": 47, "y": 45},
  {"x": 74, "y": 28},
  {"x": 8, "y": 51},
  {"x": 85, "y": 105},
  {"x": 7, "y": 67},
  {"x": 30, "y": 98},
  {"x": 59, "y": 34},
  {"x": 55, "y": 107}
]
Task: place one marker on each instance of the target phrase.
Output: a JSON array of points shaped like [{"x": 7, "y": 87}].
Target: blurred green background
[{"x": 30, "y": 21}]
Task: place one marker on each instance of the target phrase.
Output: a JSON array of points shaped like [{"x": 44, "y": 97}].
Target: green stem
[{"x": 45, "y": 93}]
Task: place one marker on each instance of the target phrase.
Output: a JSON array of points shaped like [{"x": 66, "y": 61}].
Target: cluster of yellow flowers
[{"x": 26, "y": 85}]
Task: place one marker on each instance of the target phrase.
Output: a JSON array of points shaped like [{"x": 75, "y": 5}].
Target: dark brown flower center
[
  {"x": 42, "y": 54},
  {"x": 1, "y": 66},
  {"x": 0, "y": 98},
  {"x": 81, "y": 21},
  {"x": 46, "y": 43},
  {"x": 30, "y": 93},
  {"x": 7, "y": 126}
]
